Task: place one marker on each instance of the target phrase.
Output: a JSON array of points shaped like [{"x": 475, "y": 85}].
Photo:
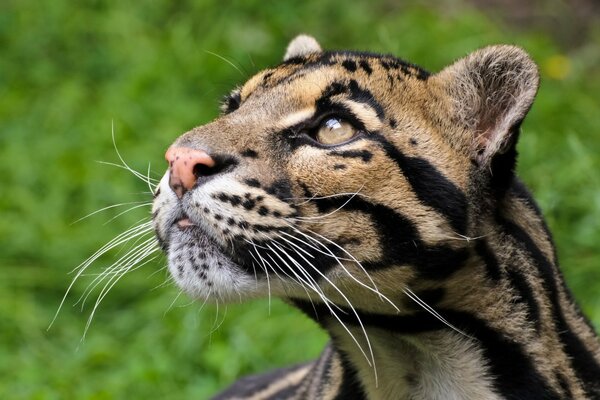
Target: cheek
[{"x": 346, "y": 170}]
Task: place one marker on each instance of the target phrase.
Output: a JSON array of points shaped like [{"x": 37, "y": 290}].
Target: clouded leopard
[{"x": 381, "y": 200}]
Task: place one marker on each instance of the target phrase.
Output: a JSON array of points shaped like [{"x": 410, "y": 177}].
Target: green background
[{"x": 69, "y": 70}]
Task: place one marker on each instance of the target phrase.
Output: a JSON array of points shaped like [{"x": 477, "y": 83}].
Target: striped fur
[{"x": 412, "y": 244}]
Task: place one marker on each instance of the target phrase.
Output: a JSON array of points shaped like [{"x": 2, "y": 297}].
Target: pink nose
[{"x": 183, "y": 167}]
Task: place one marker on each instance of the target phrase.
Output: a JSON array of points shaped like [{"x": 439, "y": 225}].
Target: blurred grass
[{"x": 69, "y": 70}]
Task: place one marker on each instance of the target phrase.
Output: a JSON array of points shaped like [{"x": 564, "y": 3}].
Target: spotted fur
[{"x": 412, "y": 244}]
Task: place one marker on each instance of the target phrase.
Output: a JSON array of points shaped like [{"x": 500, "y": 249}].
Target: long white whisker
[
  {"x": 114, "y": 268},
  {"x": 137, "y": 174},
  {"x": 134, "y": 172},
  {"x": 108, "y": 208},
  {"x": 331, "y": 212},
  {"x": 121, "y": 238},
  {"x": 371, "y": 360},
  {"x": 432, "y": 311},
  {"x": 227, "y": 61},
  {"x": 128, "y": 210},
  {"x": 151, "y": 248}
]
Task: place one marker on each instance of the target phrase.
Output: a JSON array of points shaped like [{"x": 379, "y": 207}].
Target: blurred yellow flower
[{"x": 557, "y": 67}]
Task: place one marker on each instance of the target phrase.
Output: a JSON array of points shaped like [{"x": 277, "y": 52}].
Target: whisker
[
  {"x": 432, "y": 311},
  {"x": 128, "y": 210},
  {"x": 228, "y": 62},
  {"x": 334, "y": 211},
  {"x": 119, "y": 239},
  {"x": 113, "y": 281},
  {"x": 108, "y": 208},
  {"x": 371, "y": 360}
]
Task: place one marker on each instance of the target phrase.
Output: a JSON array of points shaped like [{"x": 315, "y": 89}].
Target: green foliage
[{"x": 69, "y": 70}]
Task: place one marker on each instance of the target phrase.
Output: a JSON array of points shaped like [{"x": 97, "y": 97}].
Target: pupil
[{"x": 333, "y": 124}]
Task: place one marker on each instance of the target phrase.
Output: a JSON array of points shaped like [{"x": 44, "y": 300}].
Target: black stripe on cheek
[
  {"x": 399, "y": 239},
  {"x": 431, "y": 187},
  {"x": 365, "y": 155}
]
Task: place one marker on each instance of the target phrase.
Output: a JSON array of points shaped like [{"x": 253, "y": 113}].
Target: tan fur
[{"x": 453, "y": 127}]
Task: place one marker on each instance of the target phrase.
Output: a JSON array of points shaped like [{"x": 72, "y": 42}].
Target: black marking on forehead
[
  {"x": 351, "y": 60},
  {"x": 349, "y": 65},
  {"x": 364, "y": 64},
  {"x": 354, "y": 92},
  {"x": 267, "y": 76},
  {"x": 362, "y": 95},
  {"x": 365, "y": 155}
]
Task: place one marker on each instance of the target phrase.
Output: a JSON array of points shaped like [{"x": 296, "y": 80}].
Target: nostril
[
  {"x": 222, "y": 164},
  {"x": 200, "y": 170}
]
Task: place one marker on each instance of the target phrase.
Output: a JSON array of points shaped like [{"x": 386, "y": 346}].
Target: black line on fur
[
  {"x": 582, "y": 361},
  {"x": 365, "y": 155},
  {"x": 492, "y": 266},
  {"x": 350, "y": 387},
  {"x": 519, "y": 282},
  {"x": 362, "y": 95},
  {"x": 280, "y": 189},
  {"x": 399, "y": 240},
  {"x": 253, "y": 384},
  {"x": 519, "y": 190},
  {"x": 249, "y": 153},
  {"x": 354, "y": 92},
  {"x": 349, "y": 65},
  {"x": 252, "y": 182},
  {"x": 431, "y": 187},
  {"x": 364, "y": 64}
]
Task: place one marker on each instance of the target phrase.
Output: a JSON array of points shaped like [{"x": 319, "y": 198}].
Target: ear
[
  {"x": 491, "y": 91},
  {"x": 300, "y": 46}
]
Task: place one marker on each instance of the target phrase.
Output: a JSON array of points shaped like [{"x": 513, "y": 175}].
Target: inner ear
[
  {"x": 301, "y": 45},
  {"x": 491, "y": 91}
]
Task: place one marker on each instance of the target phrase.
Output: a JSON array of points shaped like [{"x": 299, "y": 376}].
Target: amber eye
[{"x": 334, "y": 131}]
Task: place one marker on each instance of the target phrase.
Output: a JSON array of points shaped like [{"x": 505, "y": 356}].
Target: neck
[{"x": 508, "y": 327}]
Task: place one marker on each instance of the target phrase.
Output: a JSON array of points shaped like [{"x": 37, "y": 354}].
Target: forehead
[{"x": 307, "y": 77}]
